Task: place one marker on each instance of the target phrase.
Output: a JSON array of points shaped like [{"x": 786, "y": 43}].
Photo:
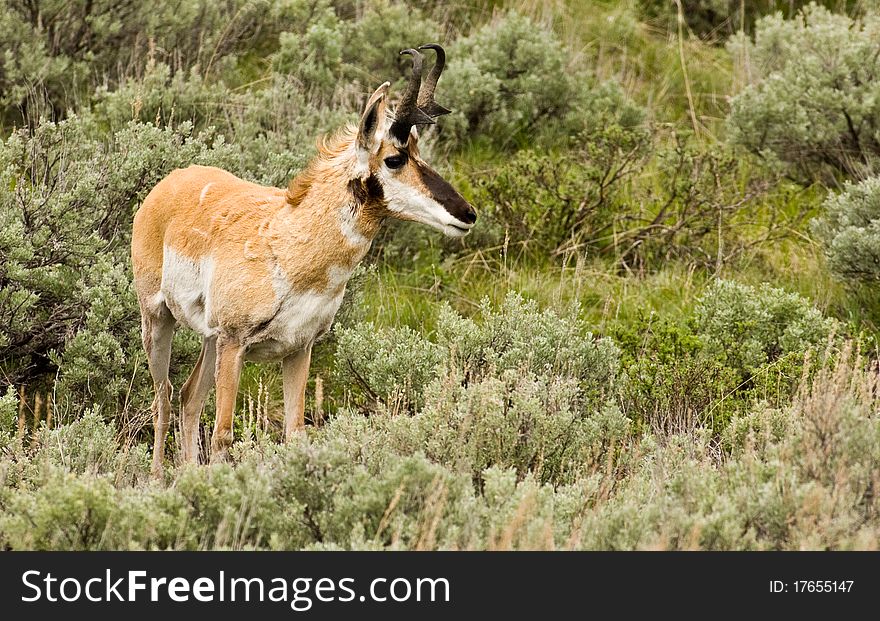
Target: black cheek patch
[
  {"x": 374, "y": 188},
  {"x": 358, "y": 191},
  {"x": 364, "y": 191},
  {"x": 442, "y": 192}
]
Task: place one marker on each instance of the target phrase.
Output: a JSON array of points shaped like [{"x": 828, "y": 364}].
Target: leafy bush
[
  {"x": 781, "y": 489},
  {"x": 534, "y": 425},
  {"x": 850, "y": 230},
  {"x": 333, "y": 53},
  {"x": 547, "y": 201},
  {"x": 741, "y": 345},
  {"x": 269, "y": 134},
  {"x": 408, "y": 481},
  {"x": 670, "y": 381},
  {"x": 521, "y": 388},
  {"x": 812, "y": 101},
  {"x": 88, "y": 445},
  {"x": 64, "y": 513},
  {"x": 390, "y": 366},
  {"x": 8, "y": 416},
  {"x": 519, "y": 336},
  {"x": 711, "y": 208},
  {"x": 57, "y": 53}
]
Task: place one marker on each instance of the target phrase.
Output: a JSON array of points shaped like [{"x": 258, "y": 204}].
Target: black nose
[{"x": 470, "y": 216}]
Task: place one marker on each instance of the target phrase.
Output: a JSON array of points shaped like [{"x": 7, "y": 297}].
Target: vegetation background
[{"x": 661, "y": 334}]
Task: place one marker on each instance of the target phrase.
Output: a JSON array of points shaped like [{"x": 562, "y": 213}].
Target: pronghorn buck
[{"x": 260, "y": 272}]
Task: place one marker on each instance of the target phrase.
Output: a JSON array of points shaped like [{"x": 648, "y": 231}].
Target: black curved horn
[
  {"x": 426, "y": 95},
  {"x": 408, "y": 112}
]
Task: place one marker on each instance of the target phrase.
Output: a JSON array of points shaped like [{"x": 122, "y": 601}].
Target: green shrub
[
  {"x": 88, "y": 445},
  {"x": 8, "y": 419},
  {"x": 519, "y": 336},
  {"x": 800, "y": 477},
  {"x": 332, "y": 54},
  {"x": 520, "y": 388},
  {"x": 708, "y": 206},
  {"x": 812, "y": 102},
  {"x": 540, "y": 202},
  {"x": 783, "y": 487},
  {"x": 389, "y": 366},
  {"x": 533, "y": 425},
  {"x": 64, "y": 513},
  {"x": 740, "y": 346},
  {"x": 58, "y": 53},
  {"x": 670, "y": 382},
  {"x": 346, "y": 503}
]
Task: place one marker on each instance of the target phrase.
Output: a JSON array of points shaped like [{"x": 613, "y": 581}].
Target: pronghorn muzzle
[{"x": 453, "y": 202}]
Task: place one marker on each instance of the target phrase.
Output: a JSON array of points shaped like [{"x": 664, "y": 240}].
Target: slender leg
[
  {"x": 295, "y": 370},
  {"x": 157, "y": 332},
  {"x": 193, "y": 396},
  {"x": 230, "y": 358}
]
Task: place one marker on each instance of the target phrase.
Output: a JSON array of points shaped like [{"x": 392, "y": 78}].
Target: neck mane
[
  {"x": 332, "y": 182},
  {"x": 334, "y": 165}
]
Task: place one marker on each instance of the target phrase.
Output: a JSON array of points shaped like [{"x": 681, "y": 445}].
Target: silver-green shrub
[
  {"x": 8, "y": 417},
  {"x": 747, "y": 326},
  {"x": 89, "y": 445},
  {"x": 512, "y": 80},
  {"x": 335, "y": 53},
  {"x": 850, "y": 230},
  {"x": 520, "y": 336},
  {"x": 388, "y": 364},
  {"x": 519, "y": 387},
  {"x": 797, "y": 478},
  {"x": 813, "y": 101},
  {"x": 56, "y": 53},
  {"x": 66, "y": 202}
]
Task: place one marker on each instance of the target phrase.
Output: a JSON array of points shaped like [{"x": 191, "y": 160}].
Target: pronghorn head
[{"x": 389, "y": 164}]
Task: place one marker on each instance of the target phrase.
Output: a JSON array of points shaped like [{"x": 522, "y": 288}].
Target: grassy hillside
[{"x": 662, "y": 332}]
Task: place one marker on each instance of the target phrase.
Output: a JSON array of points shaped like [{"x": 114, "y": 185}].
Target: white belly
[{"x": 300, "y": 320}]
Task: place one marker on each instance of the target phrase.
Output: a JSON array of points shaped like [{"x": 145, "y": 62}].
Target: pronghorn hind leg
[
  {"x": 193, "y": 395},
  {"x": 157, "y": 330},
  {"x": 230, "y": 358},
  {"x": 295, "y": 370}
]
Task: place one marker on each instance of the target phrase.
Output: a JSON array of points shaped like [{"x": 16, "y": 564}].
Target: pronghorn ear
[{"x": 372, "y": 126}]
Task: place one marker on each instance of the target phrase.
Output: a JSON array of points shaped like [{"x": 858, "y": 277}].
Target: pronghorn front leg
[
  {"x": 295, "y": 369},
  {"x": 230, "y": 357}
]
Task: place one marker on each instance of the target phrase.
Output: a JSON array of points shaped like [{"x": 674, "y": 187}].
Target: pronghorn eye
[{"x": 395, "y": 161}]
